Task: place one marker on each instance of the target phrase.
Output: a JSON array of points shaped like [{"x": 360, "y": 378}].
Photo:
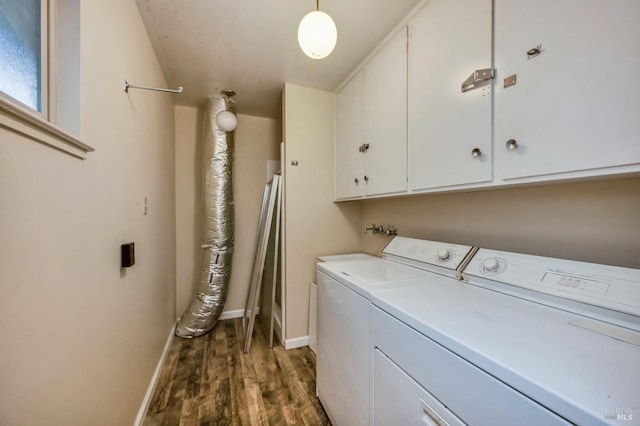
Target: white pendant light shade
[
  {"x": 317, "y": 34},
  {"x": 227, "y": 121}
]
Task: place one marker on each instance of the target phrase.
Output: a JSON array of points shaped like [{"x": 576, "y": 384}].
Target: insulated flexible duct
[{"x": 217, "y": 239}]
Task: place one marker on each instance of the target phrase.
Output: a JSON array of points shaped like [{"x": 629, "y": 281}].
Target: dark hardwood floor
[{"x": 210, "y": 381}]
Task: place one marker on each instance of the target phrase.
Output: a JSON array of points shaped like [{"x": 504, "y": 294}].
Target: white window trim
[
  {"x": 39, "y": 126},
  {"x": 31, "y": 124}
]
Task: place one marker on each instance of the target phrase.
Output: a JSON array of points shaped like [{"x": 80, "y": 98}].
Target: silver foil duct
[{"x": 217, "y": 239}]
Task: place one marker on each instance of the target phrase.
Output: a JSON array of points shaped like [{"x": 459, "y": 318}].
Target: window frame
[
  {"x": 45, "y": 27},
  {"x": 41, "y": 126}
]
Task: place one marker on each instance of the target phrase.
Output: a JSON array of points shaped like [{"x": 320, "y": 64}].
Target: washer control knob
[
  {"x": 491, "y": 265},
  {"x": 444, "y": 255}
]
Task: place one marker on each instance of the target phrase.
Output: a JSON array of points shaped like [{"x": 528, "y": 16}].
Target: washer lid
[
  {"x": 367, "y": 276},
  {"x": 375, "y": 273},
  {"x": 435, "y": 256},
  {"x": 349, "y": 257}
]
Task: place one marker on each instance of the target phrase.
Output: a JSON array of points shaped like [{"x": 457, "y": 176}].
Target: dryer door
[{"x": 398, "y": 399}]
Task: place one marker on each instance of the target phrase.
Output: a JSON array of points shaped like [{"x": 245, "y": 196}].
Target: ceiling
[{"x": 251, "y": 46}]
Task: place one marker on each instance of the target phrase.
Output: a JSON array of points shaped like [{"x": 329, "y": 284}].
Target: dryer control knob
[
  {"x": 491, "y": 265},
  {"x": 444, "y": 255}
]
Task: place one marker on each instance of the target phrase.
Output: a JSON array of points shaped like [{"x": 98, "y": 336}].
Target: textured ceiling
[{"x": 250, "y": 46}]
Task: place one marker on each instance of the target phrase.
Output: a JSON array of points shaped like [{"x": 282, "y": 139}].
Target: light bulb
[
  {"x": 226, "y": 121},
  {"x": 317, "y": 34}
]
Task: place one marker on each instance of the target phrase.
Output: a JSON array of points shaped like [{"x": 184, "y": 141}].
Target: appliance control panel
[
  {"x": 446, "y": 255},
  {"x": 611, "y": 287}
]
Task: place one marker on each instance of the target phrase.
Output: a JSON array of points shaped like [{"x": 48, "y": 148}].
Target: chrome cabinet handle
[
  {"x": 476, "y": 153},
  {"x": 366, "y": 179},
  {"x": 511, "y": 144},
  {"x": 356, "y": 180},
  {"x": 476, "y": 77}
]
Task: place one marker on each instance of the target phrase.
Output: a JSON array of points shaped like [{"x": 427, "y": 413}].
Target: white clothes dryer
[{"x": 525, "y": 340}]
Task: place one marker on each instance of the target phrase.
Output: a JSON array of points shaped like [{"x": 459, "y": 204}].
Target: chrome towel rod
[{"x": 157, "y": 89}]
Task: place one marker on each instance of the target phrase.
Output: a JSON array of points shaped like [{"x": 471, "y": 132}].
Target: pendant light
[
  {"x": 317, "y": 34},
  {"x": 227, "y": 120}
]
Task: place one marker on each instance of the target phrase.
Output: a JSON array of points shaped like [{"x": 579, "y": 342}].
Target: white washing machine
[
  {"x": 313, "y": 293},
  {"x": 527, "y": 340},
  {"x": 344, "y": 292}
]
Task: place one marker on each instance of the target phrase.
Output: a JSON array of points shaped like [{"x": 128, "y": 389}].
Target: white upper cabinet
[
  {"x": 348, "y": 140},
  {"x": 449, "y": 132},
  {"x": 385, "y": 119},
  {"x": 371, "y": 126},
  {"x": 574, "y": 109},
  {"x": 564, "y": 101}
]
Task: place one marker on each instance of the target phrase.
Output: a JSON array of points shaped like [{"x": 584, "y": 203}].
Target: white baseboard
[
  {"x": 154, "y": 379},
  {"x": 278, "y": 322},
  {"x": 238, "y": 313},
  {"x": 298, "y": 342}
]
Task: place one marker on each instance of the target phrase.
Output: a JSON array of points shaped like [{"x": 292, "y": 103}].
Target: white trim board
[
  {"x": 142, "y": 413},
  {"x": 298, "y": 342},
  {"x": 238, "y": 313}
]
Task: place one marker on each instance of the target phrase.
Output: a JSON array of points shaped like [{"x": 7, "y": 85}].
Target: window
[
  {"x": 23, "y": 51},
  {"x": 40, "y": 72}
]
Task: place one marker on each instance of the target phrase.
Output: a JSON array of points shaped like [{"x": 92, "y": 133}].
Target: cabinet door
[
  {"x": 348, "y": 138},
  {"x": 575, "y": 107},
  {"x": 448, "y": 41},
  {"x": 385, "y": 119}
]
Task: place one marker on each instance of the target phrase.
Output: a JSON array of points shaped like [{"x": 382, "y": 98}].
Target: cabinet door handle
[
  {"x": 511, "y": 144},
  {"x": 476, "y": 77},
  {"x": 476, "y": 153},
  {"x": 356, "y": 180},
  {"x": 366, "y": 179}
]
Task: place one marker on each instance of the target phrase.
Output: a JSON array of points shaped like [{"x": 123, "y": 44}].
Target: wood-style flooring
[{"x": 210, "y": 381}]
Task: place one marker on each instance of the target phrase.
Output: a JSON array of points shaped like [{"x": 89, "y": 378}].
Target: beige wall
[
  {"x": 81, "y": 337},
  {"x": 591, "y": 221},
  {"x": 188, "y": 133},
  {"x": 257, "y": 140},
  {"x": 314, "y": 224}
]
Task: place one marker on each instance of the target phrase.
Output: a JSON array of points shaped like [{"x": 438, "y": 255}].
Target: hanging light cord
[{"x": 317, "y": 4}]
